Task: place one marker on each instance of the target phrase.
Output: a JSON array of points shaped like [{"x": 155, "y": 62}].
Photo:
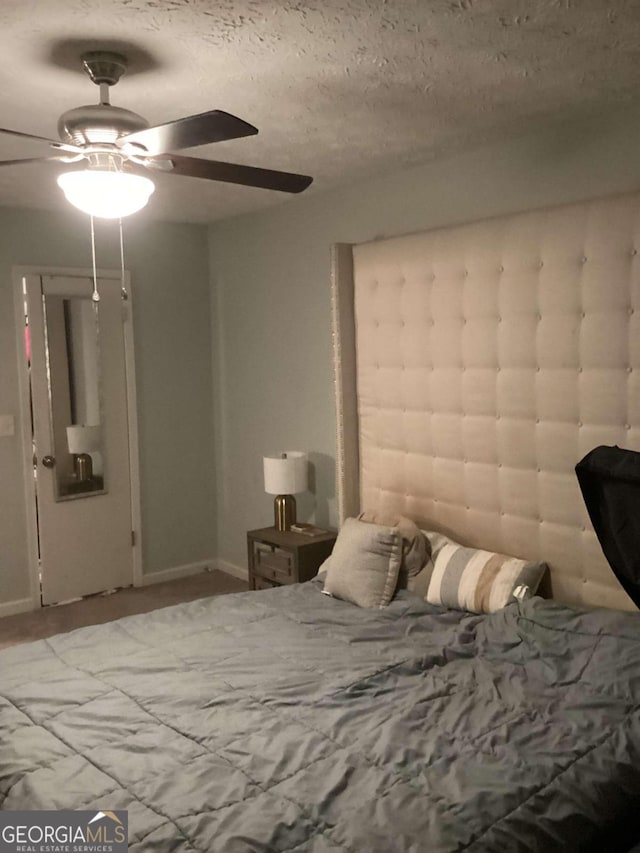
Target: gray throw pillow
[
  {"x": 365, "y": 563},
  {"x": 416, "y": 550}
]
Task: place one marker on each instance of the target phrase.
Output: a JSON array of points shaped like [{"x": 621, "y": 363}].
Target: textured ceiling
[{"x": 339, "y": 89}]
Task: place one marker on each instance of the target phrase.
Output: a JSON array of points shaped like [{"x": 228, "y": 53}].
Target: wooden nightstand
[{"x": 279, "y": 557}]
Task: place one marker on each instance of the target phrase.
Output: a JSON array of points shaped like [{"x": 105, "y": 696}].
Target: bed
[
  {"x": 287, "y": 720},
  {"x": 474, "y": 367}
]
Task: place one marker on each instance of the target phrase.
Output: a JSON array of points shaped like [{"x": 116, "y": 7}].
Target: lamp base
[
  {"x": 83, "y": 468},
  {"x": 284, "y": 512}
]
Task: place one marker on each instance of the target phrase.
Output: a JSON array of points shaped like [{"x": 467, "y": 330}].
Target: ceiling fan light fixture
[{"x": 106, "y": 194}]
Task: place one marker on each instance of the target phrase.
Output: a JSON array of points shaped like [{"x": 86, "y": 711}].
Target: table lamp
[
  {"x": 284, "y": 475},
  {"x": 82, "y": 441}
]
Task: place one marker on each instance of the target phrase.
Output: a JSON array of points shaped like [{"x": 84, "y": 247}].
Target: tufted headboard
[{"x": 477, "y": 364}]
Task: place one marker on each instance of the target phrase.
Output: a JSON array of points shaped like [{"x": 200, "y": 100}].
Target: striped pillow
[{"x": 479, "y": 581}]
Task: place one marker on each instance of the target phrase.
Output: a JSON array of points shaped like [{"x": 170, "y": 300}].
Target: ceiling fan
[{"x": 119, "y": 141}]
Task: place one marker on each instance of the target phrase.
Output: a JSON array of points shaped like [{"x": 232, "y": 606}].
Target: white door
[{"x": 80, "y": 432}]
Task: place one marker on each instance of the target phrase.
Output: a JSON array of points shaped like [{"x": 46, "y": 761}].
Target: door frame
[{"x": 18, "y": 274}]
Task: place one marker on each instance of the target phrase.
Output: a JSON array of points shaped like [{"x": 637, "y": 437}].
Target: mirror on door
[{"x": 72, "y": 351}]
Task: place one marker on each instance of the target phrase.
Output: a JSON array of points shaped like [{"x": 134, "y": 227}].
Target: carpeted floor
[{"x": 47, "y": 621}]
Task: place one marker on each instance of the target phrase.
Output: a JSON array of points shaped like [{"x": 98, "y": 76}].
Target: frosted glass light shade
[
  {"x": 106, "y": 194},
  {"x": 286, "y": 476},
  {"x": 83, "y": 439}
]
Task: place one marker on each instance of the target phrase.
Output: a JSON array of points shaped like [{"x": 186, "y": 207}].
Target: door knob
[{"x": 48, "y": 461}]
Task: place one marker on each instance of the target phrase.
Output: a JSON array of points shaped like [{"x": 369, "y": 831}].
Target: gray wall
[
  {"x": 171, "y": 300},
  {"x": 271, "y": 307}
]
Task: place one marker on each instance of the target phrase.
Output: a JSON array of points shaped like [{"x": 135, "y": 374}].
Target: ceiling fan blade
[
  {"x": 32, "y": 160},
  {"x": 214, "y": 126},
  {"x": 61, "y": 146},
  {"x": 234, "y": 173}
]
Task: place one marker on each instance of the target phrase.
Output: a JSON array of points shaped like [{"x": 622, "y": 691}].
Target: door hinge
[{"x": 133, "y": 538}]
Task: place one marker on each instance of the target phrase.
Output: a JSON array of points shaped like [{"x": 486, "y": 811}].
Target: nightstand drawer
[{"x": 273, "y": 563}]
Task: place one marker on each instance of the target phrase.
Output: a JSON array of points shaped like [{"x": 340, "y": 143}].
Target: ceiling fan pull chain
[
  {"x": 125, "y": 295},
  {"x": 95, "y": 295}
]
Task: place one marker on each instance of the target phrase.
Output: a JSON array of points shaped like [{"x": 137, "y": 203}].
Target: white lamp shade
[
  {"x": 108, "y": 195},
  {"x": 83, "y": 439},
  {"x": 285, "y": 476}
]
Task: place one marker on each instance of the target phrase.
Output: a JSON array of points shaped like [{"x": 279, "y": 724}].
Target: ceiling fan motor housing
[{"x": 97, "y": 124}]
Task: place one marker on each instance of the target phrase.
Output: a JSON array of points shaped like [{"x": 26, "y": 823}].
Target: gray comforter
[{"x": 285, "y": 720}]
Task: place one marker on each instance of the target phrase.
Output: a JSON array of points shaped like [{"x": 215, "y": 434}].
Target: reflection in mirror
[{"x": 74, "y": 395}]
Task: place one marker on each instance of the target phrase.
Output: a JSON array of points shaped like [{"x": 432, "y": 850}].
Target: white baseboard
[
  {"x": 21, "y": 605},
  {"x": 240, "y": 572},
  {"x": 176, "y": 572}
]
